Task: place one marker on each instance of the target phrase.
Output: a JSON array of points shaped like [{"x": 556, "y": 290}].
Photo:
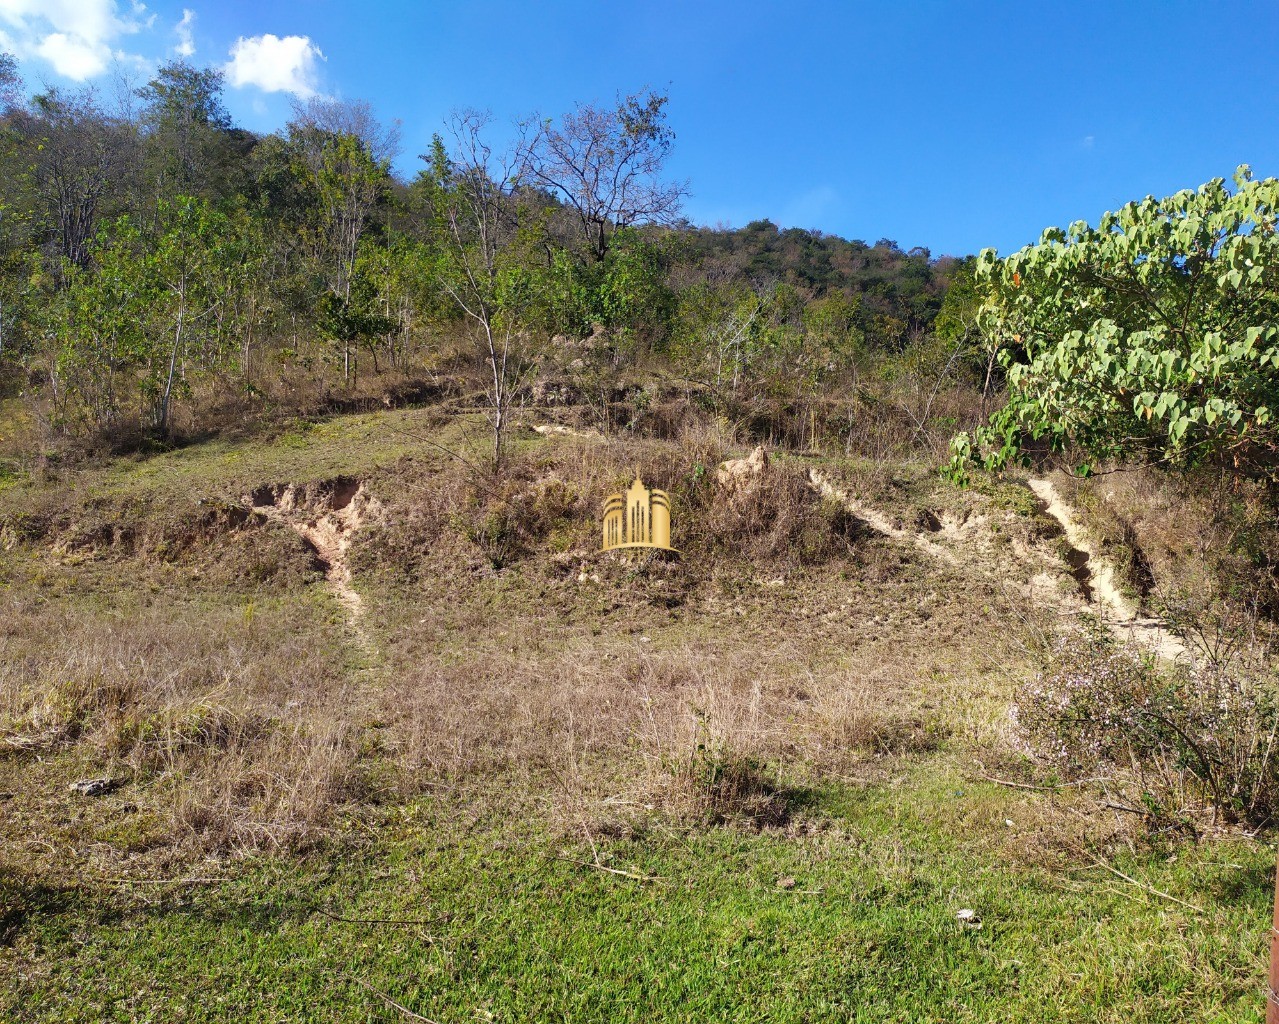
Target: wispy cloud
[
  {"x": 185, "y": 30},
  {"x": 1086, "y": 142}
]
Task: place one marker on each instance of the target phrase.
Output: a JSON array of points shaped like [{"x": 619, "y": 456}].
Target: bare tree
[
  {"x": 10, "y": 83},
  {"x": 79, "y": 153},
  {"x": 605, "y": 163},
  {"x": 477, "y": 193},
  {"x": 349, "y": 117}
]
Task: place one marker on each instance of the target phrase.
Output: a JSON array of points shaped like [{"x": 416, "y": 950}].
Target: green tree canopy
[{"x": 1150, "y": 338}]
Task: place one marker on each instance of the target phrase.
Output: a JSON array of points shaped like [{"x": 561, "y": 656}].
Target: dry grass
[
  {"x": 1199, "y": 548},
  {"x": 498, "y": 656},
  {"x": 617, "y": 726},
  {"x": 235, "y": 723}
]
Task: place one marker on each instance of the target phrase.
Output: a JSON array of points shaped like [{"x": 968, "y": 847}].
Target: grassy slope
[
  {"x": 884, "y": 849},
  {"x": 513, "y": 932}
]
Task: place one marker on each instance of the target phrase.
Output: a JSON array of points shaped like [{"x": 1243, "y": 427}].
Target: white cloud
[
  {"x": 274, "y": 64},
  {"x": 75, "y": 36},
  {"x": 1087, "y": 141},
  {"x": 186, "y": 34},
  {"x": 73, "y": 57}
]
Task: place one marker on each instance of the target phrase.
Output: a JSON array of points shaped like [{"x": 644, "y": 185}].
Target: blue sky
[{"x": 952, "y": 125}]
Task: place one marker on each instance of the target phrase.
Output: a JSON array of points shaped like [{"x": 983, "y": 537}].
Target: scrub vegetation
[{"x": 318, "y": 701}]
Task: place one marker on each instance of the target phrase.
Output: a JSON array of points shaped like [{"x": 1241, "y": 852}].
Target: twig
[
  {"x": 387, "y": 999},
  {"x": 1124, "y": 807},
  {"x": 436, "y": 444},
  {"x": 388, "y": 921},
  {"x": 1142, "y": 885},
  {"x": 1015, "y": 785},
  {"x": 1037, "y": 789},
  {"x": 613, "y": 871}
]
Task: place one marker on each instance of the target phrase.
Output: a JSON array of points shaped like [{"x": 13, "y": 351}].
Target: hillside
[{"x": 382, "y": 735}]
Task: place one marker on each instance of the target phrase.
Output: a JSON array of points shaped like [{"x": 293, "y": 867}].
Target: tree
[
  {"x": 407, "y": 295},
  {"x": 1152, "y": 338},
  {"x": 189, "y": 130},
  {"x": 98, "y": 319},
  {"x": 156, "y": 311},
  {"x": 10, "y": 82},
  {"x": 348, "y": 117},
  {"x": 605, "y": 164},
  {"x": 346, "y": 185},
  {"x": 476, "y": 192},
  {"x": 79, "y": 152},
  {"x": 196, "y": 267},
  {"x": 633, "y": 298}
]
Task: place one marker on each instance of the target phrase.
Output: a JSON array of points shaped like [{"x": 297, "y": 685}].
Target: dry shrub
[
  {"x": 510, "y": 518},
  {"x": 536, "y": 504},
  {"x": 1175, "y": 740},
  {"x": 279, "y": 791},
  {"x": 419, "y": 522},
  {"x": 779, "y": 516},
  {"x": 1192, "y": 546}
]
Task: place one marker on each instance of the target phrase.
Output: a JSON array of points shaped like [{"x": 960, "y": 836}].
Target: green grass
[{"x": 514, "y": 931}]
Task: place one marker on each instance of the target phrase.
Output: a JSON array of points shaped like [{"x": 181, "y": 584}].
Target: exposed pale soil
[
  {"x": 968, "y": 541},
  {"x": 327, "y": 517},
  {"x": 1097, "y": 581}
]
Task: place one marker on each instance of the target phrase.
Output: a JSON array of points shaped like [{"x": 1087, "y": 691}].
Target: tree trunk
[{"x": 163, "y": 424}]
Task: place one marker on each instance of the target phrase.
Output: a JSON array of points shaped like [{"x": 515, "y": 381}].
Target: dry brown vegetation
[
  {"x": 1202, "y": 549},
  {"x": 191, "y": 650}
]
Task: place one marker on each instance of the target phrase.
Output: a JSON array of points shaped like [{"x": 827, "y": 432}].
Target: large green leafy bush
[{"x": 1150, "y": 338}]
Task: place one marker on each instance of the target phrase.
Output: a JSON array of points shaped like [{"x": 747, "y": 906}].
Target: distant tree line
[{"x": 155, "y": 258}]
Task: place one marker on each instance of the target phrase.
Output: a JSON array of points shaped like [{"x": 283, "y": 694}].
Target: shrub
[
  {"x": 1149, "y": 339},
  {"x": 776, "y": 516},
  {"x": 1188, "y": 739},
  {"x": 507, "y": 518}
]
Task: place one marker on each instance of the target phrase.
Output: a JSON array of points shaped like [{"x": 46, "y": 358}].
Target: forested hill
[
  {"x": 163, "y": 270},
  {"x": 900, "y": 291}
]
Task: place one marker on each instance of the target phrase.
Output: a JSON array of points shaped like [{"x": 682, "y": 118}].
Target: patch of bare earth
[
  {"x": 326, "y": 516},
  {"x": 1097, "y": 580},
  {"x": 967, "y": 543}
]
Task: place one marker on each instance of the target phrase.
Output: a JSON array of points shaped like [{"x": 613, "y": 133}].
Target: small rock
[
  {"x": 91, "y": 787},
  {"x": 786, "y": 883},
  {"x": 969, "y": 919}
]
